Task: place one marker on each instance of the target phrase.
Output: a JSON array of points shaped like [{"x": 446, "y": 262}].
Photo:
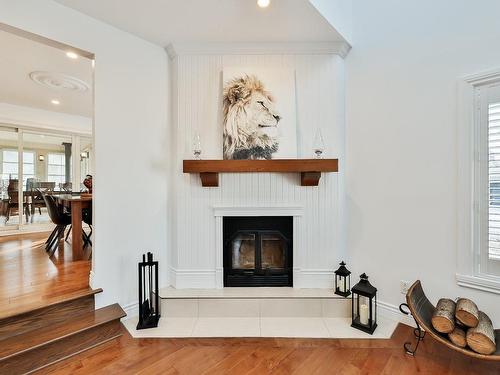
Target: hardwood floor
[
  {"x": 271, "y": 356},
  {"x": 29, "y": 278}
]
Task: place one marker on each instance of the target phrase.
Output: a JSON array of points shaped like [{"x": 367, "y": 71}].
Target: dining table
[{"x": 76, "y": 203}]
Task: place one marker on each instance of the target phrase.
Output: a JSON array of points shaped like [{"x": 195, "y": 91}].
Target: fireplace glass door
[
  {"x": 272, "y": 250},
  {"x": 258, "y": 251},
  {"x": 243, "y": 251},
  {"x": 257, "y": 259}
]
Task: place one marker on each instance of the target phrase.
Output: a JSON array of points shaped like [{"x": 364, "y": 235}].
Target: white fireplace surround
[
  {"x": 195, "y": 238},
  {"x": 214, "y": 278}
]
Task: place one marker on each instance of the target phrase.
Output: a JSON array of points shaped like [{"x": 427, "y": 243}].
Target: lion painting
[{"x": 250, "y": 119}]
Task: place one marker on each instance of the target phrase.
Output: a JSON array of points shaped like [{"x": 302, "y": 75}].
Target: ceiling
[
  {"x": 170, "y": 21},
  {"x": 21, "y": 56}
]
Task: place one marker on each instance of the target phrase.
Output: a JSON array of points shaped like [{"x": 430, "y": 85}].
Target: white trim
[
  {"x": 486, "y": 284},
  {"x": 220, "y": 211},
  {"x": 313, "y": 278},
  {"x": 390, "y": 311},
  {"x": 132, "y": 311},
  {"x": 318, "y": 48},
  {"x": 213, "y": 279},
  {"x": 482, "y": 78},
  {"x": 91, "y": 279},
  {"x": 468, "y": 138},
  {"x": 192, "y": 278}
]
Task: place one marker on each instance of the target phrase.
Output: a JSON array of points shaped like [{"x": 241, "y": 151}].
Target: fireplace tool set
[{"x": 149, "y": 299}]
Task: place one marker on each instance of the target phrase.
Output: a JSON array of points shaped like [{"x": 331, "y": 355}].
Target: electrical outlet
[{"x": 404, "y": 285}]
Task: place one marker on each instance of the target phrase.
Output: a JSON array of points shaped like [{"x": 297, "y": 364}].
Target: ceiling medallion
[{"x": 59, "y": 81}]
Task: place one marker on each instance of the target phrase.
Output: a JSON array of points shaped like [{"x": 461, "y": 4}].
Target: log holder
[{"x": 418, "y": 332}]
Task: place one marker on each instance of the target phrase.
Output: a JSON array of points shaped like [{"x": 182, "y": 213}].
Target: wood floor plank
[
  {"x": 31, "y": 279},
  {"x": 292, "y": 361},
  {"x": 224, "y": 367},
  {"x": 271, "y": 356}
]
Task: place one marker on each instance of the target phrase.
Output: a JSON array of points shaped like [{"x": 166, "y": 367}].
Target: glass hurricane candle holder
[
  {"x": 319, "y": 144},
  {"x": 197, "y": 147}
]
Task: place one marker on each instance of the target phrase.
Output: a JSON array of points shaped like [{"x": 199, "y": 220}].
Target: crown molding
[{"x": 303, "y": 48}]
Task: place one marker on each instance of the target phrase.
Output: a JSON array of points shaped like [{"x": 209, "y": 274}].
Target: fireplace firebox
[{"x": 258, "y": 251}]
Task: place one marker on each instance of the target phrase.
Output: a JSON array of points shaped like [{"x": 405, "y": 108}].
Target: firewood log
[
  {"x": 459, "y": 324},
  {"x": 457, "y": 336},
  {"x": 481, "y": 338},
  {"x": 443, "y": 319},
  {"x": 467, "y": 312}
]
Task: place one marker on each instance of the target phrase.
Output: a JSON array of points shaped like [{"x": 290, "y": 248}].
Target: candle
[
  {"x": 341, "y": 285},
  {"x": 363, "y": 314}
]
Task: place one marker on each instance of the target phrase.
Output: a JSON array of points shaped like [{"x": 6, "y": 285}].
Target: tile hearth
[
  {"x": 256, "y": 312},
  {"x": 299, "y": 327}
]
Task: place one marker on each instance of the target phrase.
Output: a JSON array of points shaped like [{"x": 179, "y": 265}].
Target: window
[
  {"x": 10, "y": 165},
  {"x": 478, "y": 212},
  {"x": 494, "y": 180},
  {"x": 487, "y": 178},
  {"x": 56, "y": 168}
]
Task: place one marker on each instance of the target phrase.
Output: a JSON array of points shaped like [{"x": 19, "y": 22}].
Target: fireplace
[{"x": 258, "y": 251}]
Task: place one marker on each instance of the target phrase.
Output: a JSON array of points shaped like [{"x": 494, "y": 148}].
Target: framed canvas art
[{"x": 259, "y": 113}]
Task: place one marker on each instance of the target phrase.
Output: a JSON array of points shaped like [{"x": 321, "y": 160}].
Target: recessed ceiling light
[
  {"x": 263, "y": 3},
  {"x": 71, "y": 55},
  {"x": 55, "y": 102}
]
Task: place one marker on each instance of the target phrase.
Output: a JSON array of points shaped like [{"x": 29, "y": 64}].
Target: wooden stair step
[
  {"x": 56, "y": 312},
  {"x": 30, "y": 340},
  {"x": 18, "y": 309},
  {"x": 39, "y": 348}
]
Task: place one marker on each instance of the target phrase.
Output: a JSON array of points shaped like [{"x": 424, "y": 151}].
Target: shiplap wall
[{"x": 196, "y": 107}]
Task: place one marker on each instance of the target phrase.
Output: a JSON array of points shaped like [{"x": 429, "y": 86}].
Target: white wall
[
  {"x": 130, "y": 139},
  {"x": 401, "y": 148},
  {"x": 197, "y": 107}
]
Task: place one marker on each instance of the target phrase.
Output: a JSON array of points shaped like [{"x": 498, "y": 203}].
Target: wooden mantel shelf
[{"x": 310, "y": 169}]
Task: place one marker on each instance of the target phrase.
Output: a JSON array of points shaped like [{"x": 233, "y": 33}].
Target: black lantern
[
  {"x": 343, "y": 281},
  {"x": 364, "y": 305}
]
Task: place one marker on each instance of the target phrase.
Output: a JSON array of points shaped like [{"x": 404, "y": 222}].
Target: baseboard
[
  {"x": 313, "y": 278},
  {"x": 91, "y": 279},
  {"x": 192, "y": 279},
  {"x": 209, "y": 279},
  {"x": 132, "y": 310},
  {"x": 390, "y": 311}
]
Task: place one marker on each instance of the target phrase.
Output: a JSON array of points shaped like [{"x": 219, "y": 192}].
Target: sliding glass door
[
  {"x": 10, "y": 210},
  {"x": 32, "y": 162}
]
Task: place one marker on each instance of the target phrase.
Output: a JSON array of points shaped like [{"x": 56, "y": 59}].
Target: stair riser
[
  {"x": 256, "y": 307},
  {"x": 53, "y": 352},
  {"x": 46, "y": 316}
]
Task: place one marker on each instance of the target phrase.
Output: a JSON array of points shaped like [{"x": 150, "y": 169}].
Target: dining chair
[
  {"x": 66, "y": 186},
  {"x": 37, "y": 200},
  {"x": 59, "y": 218},
  {"x": 13, "y": 204},
  {"x": 87, "y": 219}
]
